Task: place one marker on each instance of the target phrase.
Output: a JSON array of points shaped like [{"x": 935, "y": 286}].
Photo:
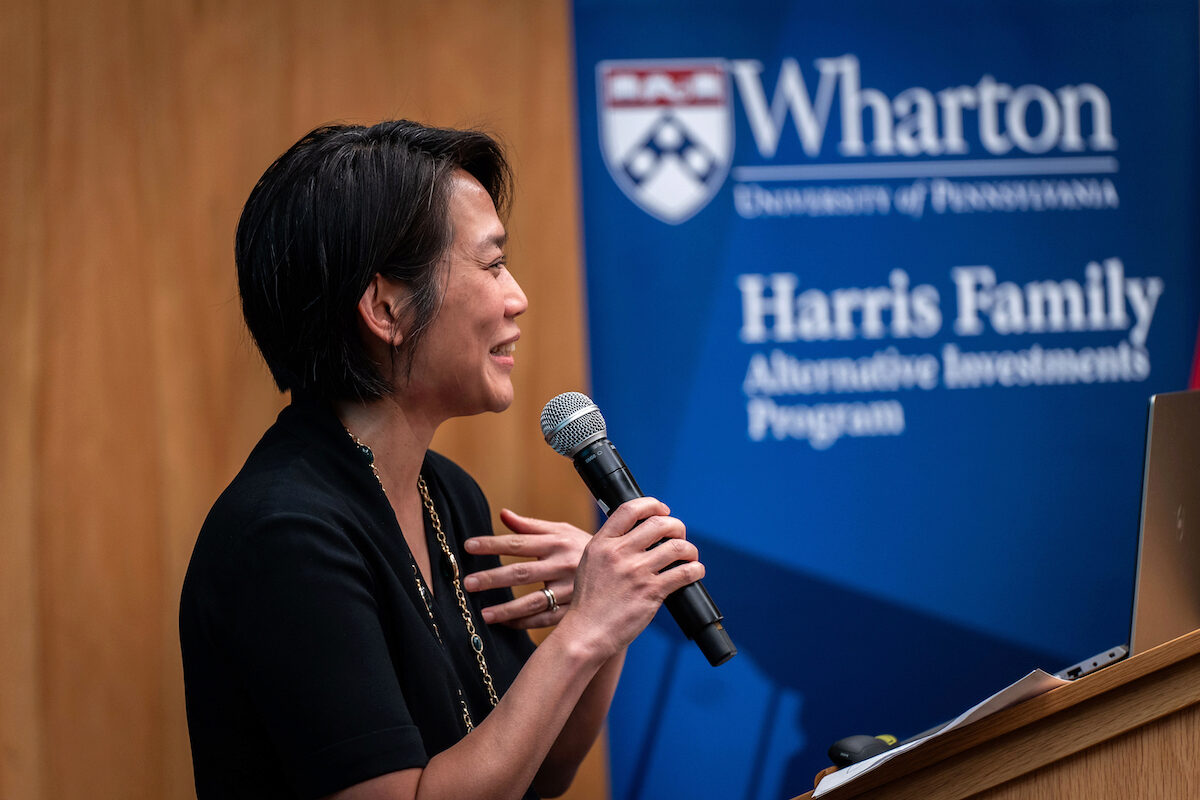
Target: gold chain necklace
[
  {"x": 468, "y": 620},
  {"x": 460, "y": 595}
]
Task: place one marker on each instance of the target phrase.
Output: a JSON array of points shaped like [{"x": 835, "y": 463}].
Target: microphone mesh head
[{"x": 570, "y": 421}]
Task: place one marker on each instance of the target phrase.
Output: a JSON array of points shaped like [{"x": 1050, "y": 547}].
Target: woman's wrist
[{"x": 582, "y": 644}]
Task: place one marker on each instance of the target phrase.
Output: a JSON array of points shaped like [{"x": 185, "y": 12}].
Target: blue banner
[{"x": 877, "y": 295}]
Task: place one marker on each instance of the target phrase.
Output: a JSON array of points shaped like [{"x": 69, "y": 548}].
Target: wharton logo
[{"x": 666, "y": 132}]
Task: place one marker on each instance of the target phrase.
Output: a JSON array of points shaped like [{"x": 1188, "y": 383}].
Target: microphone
[{"x": 574, "y": 427}]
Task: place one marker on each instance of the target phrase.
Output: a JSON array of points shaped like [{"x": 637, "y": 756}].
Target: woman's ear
[{"x": 380, "y": 310}]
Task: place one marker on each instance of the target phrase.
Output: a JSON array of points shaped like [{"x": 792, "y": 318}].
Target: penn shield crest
[{"x": 666, "y": 132}]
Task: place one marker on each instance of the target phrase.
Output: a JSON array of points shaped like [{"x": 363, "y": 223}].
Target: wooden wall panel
[
  {"x": 132, "y": 133},
  {"x": 20, "y": 287}
]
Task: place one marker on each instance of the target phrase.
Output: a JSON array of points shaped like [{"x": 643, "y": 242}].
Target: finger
[
  {"x": 671, "y": 552},
  {"x": 527, "y": 605},
  {"x": 518, "y": 523},
  {"x": 509, "y": 544},
  {"x": 677, "y": 577},
  {"x": 516, "y": 574},
  {"x": 653, "y": 530},
  {"x": 564, "y": 590},
  {"x": 630, "y": 513},
  {"x": 542, "y": 620}
]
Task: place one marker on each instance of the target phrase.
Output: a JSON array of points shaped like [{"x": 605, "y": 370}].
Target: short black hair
[{"x": 343, "y": 204}]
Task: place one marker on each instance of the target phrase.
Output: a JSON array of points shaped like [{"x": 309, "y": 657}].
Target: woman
[{"x": 341, "y": 617}]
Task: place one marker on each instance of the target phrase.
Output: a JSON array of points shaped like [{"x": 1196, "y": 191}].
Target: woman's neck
[
  {"x": 397, "y": 439},
  {"x": 398, "y": 442}
]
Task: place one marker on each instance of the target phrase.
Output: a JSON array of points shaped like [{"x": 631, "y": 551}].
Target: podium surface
[{"x": 1128, "y": 730}]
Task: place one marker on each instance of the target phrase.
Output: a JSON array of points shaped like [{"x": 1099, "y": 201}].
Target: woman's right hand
[{"x": 621, "y": 581}]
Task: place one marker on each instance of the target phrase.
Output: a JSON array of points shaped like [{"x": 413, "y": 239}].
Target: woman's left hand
[{"x": 556, "y": 548}]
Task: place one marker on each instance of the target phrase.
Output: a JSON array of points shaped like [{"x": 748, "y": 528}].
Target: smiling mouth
[{"x": 505, "y": 349}]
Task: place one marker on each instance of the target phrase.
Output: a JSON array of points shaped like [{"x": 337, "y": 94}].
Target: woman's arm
[
  {"x": 569, "y": 679},
  {"x": 501, "y": 757},
  {"x": 580, "y": 731},
  {"x": 557, "y": 548}
]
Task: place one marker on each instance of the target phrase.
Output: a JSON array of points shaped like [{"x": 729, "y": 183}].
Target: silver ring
[{"x": 551, "y": 600}]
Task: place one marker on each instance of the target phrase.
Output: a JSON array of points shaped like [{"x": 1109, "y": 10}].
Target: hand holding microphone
[
  {"x": 573, "y": 426},
  {"x": 623, "y": 578}
]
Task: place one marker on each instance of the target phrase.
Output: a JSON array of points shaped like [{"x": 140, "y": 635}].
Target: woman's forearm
[
  {"x": 566, "y": 684},
  {"x": 580, "y": 731}
]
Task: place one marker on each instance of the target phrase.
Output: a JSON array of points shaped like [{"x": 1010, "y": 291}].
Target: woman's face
[{"x": 465, "y": 359}]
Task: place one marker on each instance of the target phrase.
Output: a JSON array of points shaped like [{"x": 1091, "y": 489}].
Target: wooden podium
[{"x": 1131, "y": 730}]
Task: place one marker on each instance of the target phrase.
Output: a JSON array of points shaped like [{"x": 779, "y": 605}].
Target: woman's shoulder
[
  {"x": 287, "y": 471},
  {"x": 294, "y": 477},
  {"x": 280, "y": 484}
]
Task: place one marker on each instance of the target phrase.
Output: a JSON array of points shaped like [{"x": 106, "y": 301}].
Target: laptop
[
  {"x": 1166, "y": 590},
  {"x": 1166, "y": 601}
]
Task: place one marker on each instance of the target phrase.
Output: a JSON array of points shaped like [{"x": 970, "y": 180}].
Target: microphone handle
[{"x": 611, "y": 483}]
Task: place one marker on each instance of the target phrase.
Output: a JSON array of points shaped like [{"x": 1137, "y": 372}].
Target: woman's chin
[{"x": 499, "y": 398}]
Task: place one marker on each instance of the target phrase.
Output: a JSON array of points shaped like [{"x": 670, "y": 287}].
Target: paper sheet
[{"x": 1033, "y": 684}]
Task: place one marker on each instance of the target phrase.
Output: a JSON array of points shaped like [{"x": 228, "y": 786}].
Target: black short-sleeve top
[{"x": 310, "y": 660}]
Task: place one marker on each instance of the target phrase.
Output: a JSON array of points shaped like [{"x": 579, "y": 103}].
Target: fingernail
[
  {"x": 471, "y": 545},
  {"x": 470, "y": 583}
]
